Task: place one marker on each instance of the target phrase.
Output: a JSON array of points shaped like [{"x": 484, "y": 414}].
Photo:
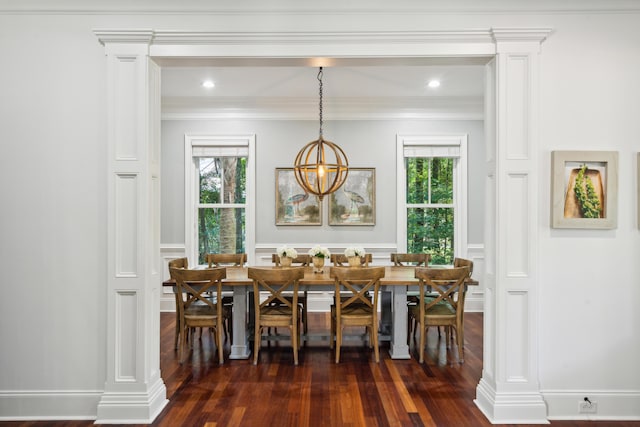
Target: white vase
[
  {"x": 354, "y": 261},
  {"x": 318, "y": 263},
  {"x": 285, "y": 261}
]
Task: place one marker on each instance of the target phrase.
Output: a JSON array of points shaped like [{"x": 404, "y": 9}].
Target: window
[
  {"x": 219, "y": 188},
  {"x": 432, "y": 196}
]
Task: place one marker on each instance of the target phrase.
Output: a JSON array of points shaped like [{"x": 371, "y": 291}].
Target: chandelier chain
[{"x": 320, "y": 92}]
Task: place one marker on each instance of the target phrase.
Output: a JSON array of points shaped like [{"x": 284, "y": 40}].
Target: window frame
[
  {"x": 192, "y": 202},
  {"x": 458, "y": 143}
]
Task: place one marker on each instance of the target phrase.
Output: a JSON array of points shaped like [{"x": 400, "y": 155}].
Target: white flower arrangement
[
  {"x": 320, "y": 252},
  {"x": 354, "y": 251},
  {"x": 287, "y": 252}
]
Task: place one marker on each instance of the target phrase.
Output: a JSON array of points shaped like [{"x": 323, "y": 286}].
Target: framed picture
[
  {"x": 355, "y": 202},
  {"x": 294, "y": 206},
  {"x": 584, "y": 189}
]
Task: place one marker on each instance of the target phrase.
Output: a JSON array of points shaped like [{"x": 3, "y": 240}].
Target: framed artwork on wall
[
  {"x": 295, "y": 206},
  {"x": 355, "y": 202},
  {"x": 584, "y": 190}
]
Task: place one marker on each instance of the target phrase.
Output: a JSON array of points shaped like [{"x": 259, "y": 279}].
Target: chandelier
[{"x": 321, "y": 167}]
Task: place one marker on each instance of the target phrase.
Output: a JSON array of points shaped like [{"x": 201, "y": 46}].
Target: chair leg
[
  {"x": 177, "y": 336},
  {"x": 220, "y": 342},
  {"x": 183, "y": 342},
  {"x": 256, "y": 343},
  {"x": 338, "y": 340},
  {"x": 333, "y": 330},
  {"x": 423, "y": 333},
  {"x": 459, "y": 340},
  {"x": 304, "y": 314},
  {"x": 294, "y": 343},
  {"x": 376, "y": 350}
]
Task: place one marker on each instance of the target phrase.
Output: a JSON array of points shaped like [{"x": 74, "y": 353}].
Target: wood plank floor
[{"x": 356, "y": 392}]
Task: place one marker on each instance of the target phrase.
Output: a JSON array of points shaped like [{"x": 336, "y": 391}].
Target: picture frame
[
  {"x": 355, "y": 202},
  {"x": 587, "y": 199},
  {"x": 295, "y": 206}
]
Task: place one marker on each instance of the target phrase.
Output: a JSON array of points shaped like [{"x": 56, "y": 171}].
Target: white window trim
[
  {"x": 460, "y": 174},
  {"x": 190, "y": 189}
]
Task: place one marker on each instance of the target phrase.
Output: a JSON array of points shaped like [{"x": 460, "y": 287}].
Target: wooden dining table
[{"x": 397, "y": 280}]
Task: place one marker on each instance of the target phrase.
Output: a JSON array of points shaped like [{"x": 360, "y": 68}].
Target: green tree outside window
[
  {"x": 221, "y": 207},
  {"x": 430, "y": 209}
]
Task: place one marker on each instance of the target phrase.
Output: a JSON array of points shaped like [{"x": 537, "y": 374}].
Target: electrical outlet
[{"x": 588, "y": 407}]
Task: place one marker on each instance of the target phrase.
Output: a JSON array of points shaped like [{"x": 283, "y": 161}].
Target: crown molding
[
  {"x": 328, "y": 7},
  {"x": 520, "y": 34},
  {"x": 370, "y": 108},
  {"x": 367, "y": 37},
  {"x": 124, "y": 36}
]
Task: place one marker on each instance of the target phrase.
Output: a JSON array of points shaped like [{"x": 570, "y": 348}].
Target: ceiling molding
[
  {"x": 327, "y": 7},
  {"x": 370, "y": 108}
]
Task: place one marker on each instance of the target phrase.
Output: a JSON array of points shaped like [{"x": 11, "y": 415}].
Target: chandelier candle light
[{"x": 321, "y": 167}]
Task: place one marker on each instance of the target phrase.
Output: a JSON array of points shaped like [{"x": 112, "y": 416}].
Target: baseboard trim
[
  {"x": 611, "y": 405},
  {"x": 49, "y": 405}
]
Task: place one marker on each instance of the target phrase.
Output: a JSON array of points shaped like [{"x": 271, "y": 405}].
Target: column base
[
  {"x": 126, "y": 407},
  {"x": 510, "y": 408}
]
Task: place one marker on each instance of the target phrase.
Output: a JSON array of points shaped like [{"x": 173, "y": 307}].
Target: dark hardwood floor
[{"x": 356, "y": 392}]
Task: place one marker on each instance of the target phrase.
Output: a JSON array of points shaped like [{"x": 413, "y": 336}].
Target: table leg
[
  {"x": 240, "y": 348},
  {"x": 399, "y": 348},
  {"x": 386, "y": 319}
]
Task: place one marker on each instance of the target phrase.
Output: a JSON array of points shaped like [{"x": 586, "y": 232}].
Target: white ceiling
[
  {"x": 352, "y": 88},
  {"x": 339, "y": 81}
]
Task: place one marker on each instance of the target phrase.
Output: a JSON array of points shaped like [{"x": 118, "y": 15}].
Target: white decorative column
[
  {"x": 509, "y": 391},
  {"x": 134, "y": 390}
]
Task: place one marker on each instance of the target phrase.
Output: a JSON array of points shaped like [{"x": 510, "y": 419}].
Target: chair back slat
[
  {"x": 302, "y": 260},
  {"x": 231, "y": 260},
  {"x": 417, "y": 260},
  {"x": 179, "y": 263},
  {"x": 341, "y": 260},
  {"x": 462, "y": 262}
]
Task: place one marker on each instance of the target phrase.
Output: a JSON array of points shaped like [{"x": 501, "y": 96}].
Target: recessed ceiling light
[
  {"x": 208, "y": 84},
  {"x": 434, "y": 83}
]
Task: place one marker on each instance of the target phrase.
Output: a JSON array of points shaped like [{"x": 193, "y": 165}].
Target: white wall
[
  {"x": 367, "y": 144},
  {"x": 53, "y": 174},
  {"x": 589, "y": 322}
]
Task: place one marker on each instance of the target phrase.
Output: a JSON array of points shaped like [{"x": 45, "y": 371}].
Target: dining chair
[
  {"x": 178, "y": 263},
  {"x": 275, "y": 284},
  {"x": 354, "y": 305},
  {"x": 445, "y": 309},
  {"x": 196, "y": 308},
  {"x": 227, "y": 260},
  {"x": 341, "y": 260},
  {"x": 463, "y": 262},
  {"x": 302, "y": 260}
]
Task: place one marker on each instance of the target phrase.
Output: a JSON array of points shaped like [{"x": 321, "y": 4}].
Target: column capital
[
  {"x": 519, "y": 39},
  {"x": 138, "y": 36}
]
